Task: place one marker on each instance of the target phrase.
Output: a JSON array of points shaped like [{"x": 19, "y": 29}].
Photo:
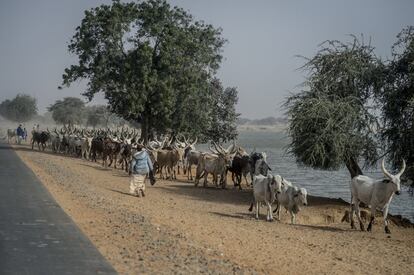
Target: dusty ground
[{"x": 178, "y": 228}]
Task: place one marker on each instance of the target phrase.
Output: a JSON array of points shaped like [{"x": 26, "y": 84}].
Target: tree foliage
[
  {"x": 153, "y": 62},
  {"x": 397, "y": 100},
  {"x": 20, "y": 109},
  {"x": 331, "y": 121},
  {"x": 96, "y": 115},
  {"x": 224, "y": 116},
  {"x": 70, "y": 110}
]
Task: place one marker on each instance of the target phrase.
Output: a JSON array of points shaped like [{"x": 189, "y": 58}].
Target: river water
[{"x": 333, "y": 184}]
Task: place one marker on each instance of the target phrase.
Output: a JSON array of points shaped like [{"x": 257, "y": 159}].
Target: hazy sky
[{"x": 263, "y": 39}]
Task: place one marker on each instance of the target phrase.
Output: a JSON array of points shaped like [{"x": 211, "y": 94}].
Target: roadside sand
[{"x": 178, "y": 228}]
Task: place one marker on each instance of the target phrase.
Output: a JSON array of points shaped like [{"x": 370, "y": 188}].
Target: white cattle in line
[
  {"x": 290, "y": 197},
  {"x": 11, "y": 133},
  {"x": 265, "y": 189},
  {"x": 376, "y": 193}
]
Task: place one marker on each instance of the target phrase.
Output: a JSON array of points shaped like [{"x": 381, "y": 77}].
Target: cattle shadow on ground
[
  {"x": 119, "y": 175},
  {"x": 239, "y": 216},
  {"x": 28, "y": 148},
  {"x": 321, "y": 227},
  {"x": 120, "y": 192},
  {"x": 213, "y": 194},
  {"x": 99, "y": 168}
]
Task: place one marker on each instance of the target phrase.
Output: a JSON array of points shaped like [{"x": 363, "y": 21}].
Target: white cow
[
  {"x": 86, "y": 147},
  {"x": 290, "y": 197},
  {"x": 376, "y": 193},
  {"x": 265, "y": 189},
  {"x": 11, "y": 133}
]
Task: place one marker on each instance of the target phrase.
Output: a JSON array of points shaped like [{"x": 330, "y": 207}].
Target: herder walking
[{"x": 141, "y": 166}]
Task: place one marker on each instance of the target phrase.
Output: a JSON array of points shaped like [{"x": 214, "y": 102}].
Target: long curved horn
[
  {"x": 386, "y": 173},
  {"x": 177, "y": 138},
  {"x": 402, "y": 169},
  {"x": 213, "y": 150},
  {"x": 231, "y": 147},
  {"x": 219, "y": 148},
  {"x": 195, "y": 141}
]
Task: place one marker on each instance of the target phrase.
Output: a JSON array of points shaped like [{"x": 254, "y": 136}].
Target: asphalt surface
[{"x": 36, "y": 236}]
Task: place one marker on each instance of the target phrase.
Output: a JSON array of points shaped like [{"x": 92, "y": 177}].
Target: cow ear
[
  {"x": 296, "y": 194},
  {"x": 386, "y": 181}
]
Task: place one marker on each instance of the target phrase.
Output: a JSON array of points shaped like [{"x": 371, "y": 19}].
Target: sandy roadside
[{"x": 178, "y": 228}]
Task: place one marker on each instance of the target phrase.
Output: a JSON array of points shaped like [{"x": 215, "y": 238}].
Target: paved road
[{"x": 36, "y": 236}]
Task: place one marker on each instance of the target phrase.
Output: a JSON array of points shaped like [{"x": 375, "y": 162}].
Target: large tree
[
  {"x": 20, "y": 109},
  {"x": 70, "y": 110},
  {"x": 397, "y": 100},
  {"x": 153, "y": 62},
  {"x": 332, "y": 121}
]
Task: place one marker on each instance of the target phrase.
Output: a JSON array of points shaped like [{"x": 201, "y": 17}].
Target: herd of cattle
[{"x": 170, "y": 154}]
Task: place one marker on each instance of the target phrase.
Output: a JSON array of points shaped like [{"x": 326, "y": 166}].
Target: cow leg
[
  {"x": 269, "y": 212},
  {"x": 358, "y": 213},
  {"x": 189, "y": 172},
  {"x": 223, "y": 179},
  {"x": 32, "y": 144},
  {"x": 373, "y": 210},
  {"x": 111, "y": 159},
  {"x": 245, "y": 178},
  {"x": 205, "y": 179},
  {"x": 104, "y": 160},
  {"x": 278, "y": 211},
  {"x": 169, "y": 176},
  {"x": 162, "y": 172},
  {"x": 240, "y": 187},
  {"x": 292, "y": 217},
  {"x": 257, "y": 210},
  {"x": 387, "y": 230},
  {"x": 351, "y": 213},
  {"x": 197, "y": 178}
]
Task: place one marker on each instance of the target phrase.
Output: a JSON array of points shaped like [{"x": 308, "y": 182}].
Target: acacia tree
[
  {"x": 331, "y": 121},
  {"x": 153, "y": 62},
  {"x": 70, "y": 110},
  {"x": 20, "y": 109},
  {"x": 397, "y": 100}
]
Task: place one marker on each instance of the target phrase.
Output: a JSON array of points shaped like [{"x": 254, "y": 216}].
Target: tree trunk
[
  {"x": 144, "y": 130},
  {"x": 353, "y": 167}
]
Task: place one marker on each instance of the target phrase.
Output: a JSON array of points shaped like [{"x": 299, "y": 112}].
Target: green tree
[
  {"x": 223, "y": 125},
  {"x": 397, "y": 100},
  {"x": 332, "y": 121},
  {"x": 70, "y": 110},
  {"x": 150, "y": 60},
  {"x": 20, "y": 109}
]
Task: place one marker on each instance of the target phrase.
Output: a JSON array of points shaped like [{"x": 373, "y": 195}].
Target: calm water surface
[{"x": 333, "y": 184}]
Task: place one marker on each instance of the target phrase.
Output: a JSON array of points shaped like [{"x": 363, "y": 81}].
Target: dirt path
[{"x": 178, "y": 228}]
